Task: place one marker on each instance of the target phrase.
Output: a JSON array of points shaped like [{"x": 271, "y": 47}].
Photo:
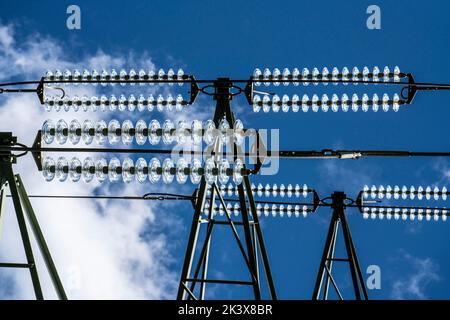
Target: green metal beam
[
  {"x": 2, "y": 205},
  {"x": 6, "y": 170},
  {"x": 42, "y": 244},
  {"x": 183, "y": 290}
]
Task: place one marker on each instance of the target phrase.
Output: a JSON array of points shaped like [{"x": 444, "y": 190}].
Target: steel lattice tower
[{"x": 254, "y": 242}]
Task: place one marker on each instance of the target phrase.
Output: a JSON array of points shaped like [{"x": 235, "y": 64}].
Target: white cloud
[
  {"x": 98, "y": 246},
  {"x": 6, "y": 39},
  {"x": 413, "y": 285},
  {"x": 442, "y": 168},
  {"x": 346, "y": 175}
]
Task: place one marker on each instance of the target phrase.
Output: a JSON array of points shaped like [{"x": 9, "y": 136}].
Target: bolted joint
[
  {"x": 7, "y": 140},
  {"x": 8, "y": 159},
  {"x": 338, "y": 199},
  {"x": 222, "y": 89}
]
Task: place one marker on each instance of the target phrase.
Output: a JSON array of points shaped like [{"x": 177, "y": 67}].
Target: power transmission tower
[
  {"x": 254, "y": 242},
  {"x": 326, "y": 264}
]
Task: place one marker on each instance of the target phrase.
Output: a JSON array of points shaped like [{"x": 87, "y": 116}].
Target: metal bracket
[
  {"x": 258, "y": 148},
  {"x": 194, "y": 197},
  {"x": 360, "y": 201},
  {"x": 40, "y": 91},
  {"x": 412, "y": 89},
  {"x": 316, "y": 200},
  {"x": 37, "y": 155},
  {"x": 7, "y": 140},
  {"x": 222, "y": 88},
  {"x": 194, "y": 90},
  {"x": 249, "y": 91}
]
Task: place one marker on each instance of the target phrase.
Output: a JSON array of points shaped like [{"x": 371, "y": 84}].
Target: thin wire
[
  {"x": 159, "y": 196},
  {"x": 167, "y": 196},
  {"x": 86, "y": 197},
  {"x": 7, "y": 84},
  {"x": 275, "y": 154},
  {"x": 20, "y": 90},
  {"x": 182, "y": 197},
  {"x": 100, "y": 197}
]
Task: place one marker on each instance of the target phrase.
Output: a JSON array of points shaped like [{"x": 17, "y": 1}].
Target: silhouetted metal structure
[
  {"x": 326, "y": 264},
  {"x": 24, "y": 211},
  {"x": 254, "y": 242},
  {"x": 194, "y": 275}
]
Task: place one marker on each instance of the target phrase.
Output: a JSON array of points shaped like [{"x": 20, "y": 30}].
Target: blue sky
[{"x": 212, "y": 39}]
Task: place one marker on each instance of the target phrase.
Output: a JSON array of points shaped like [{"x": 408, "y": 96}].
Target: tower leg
[
  {"x": 7, "y": 171},
  {"x": 192, "y": 242},
  {"x": 260, "y": 239},
  {"x": 351, "y": 259},
  {"x": 325, "y": 255},
  {"x": 2, "y": 204},
  {"x": 248, "y": 239},
  {"x": 330, "y": 261},
  {"x": 354, "y": 263},
  {"x": 42, "y": 244},
  {"x": 207, "y": 247}
]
